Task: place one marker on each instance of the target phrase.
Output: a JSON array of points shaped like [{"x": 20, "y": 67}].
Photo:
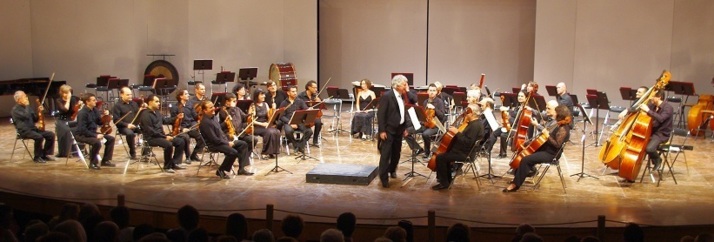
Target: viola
[
  {"x": 176, "y": 128},
  {"x": 430, "y": 114},
  {"x": 75, "y": 110},
  {"x": 249, "y": 119}
]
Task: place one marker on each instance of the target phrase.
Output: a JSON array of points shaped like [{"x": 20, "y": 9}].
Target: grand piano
[{"x": 33, "y": 87}]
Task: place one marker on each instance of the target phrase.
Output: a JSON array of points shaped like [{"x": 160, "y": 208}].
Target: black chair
[
  {"x": 670, "y": 152},
  {"x": 147, "y": 154},
  {"x": 544, "y": 167},
  {"x": 469, "y": 164},
  {"x": 18, "y": 138}
]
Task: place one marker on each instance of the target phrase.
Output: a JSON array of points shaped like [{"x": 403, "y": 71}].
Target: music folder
[
  {"x": 202, "y": 65},
  {"x": 244, "y": 104},
  {"x": 304, "y": 116},
  {"x": 552, "y": 90},
  {"x": 248, "y": 73}
]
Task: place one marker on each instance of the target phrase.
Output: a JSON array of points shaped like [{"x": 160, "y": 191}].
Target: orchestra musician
[
  {"x": 66, "y": 110},
  {"x": 189, "y": 120},
  {"x": 270, "y": 134},
  {"x": 448, "y": 99},
  {"x": 560, "y": 118},
  {"x": 461, "y": 146},
  {"x": 310, "y": 95},
  {"x": 501, "y": 132},
  {"x": 434, "y": 103},
  {"x": 291, "y": 104},
  {"x": 216, "y": 139},
  {"x": 238, "y": 118},
  {"x": 240, "y": 92},
  {"x": 153, "y": 130},
  {"x": 640, "y": 91},
  {"x": 125, "y": 126},
  {"x": 362, "y": 120},
  {"x": 392, "y": 127},
  {"x": 563, "y": 96},
  {"x": 199, "y": 91},
  {"x": 529, "y": 87},
  {"x": 24, "y": 119},
  {"x": 275, "y": 95},
  {"x": 88, "y": 120},
  {"x": 661, "y": 112}
]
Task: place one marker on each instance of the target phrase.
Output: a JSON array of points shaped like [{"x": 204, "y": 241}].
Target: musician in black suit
[
  {"x": 463, "y": 142},
  {"x": 152, "y": 128},
  {"x": 310, "y": 95},
  {"x": 275, "y": 95},
  {"x": 87, "y": 121},
  {"x": 560, "y": 119},
  {"x": 189, "y": 120},
  {"x": 391, "y": 118},
  {"x": 661, "y": 112},
  {"x": 238, "y": 120},
  {"x": 292, "y": 104},
  {"x": 435, "y": 103},
  {"x": 65, "y": 111},
  {"x": 24, "y": 119},
  {"x": 199, "y": 94},
  {"x": 126, "y": 105},
  {"x": 216, "y": 140}
]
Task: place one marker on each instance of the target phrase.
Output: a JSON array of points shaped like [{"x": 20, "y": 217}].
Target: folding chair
[
  {"x": 18, "y": 138},
  {"x": 147, "y": 153},
  {"x": 665, "y": 151},
  {"x": 468, "y": 164},
  {"x": 544, "y": 167}
]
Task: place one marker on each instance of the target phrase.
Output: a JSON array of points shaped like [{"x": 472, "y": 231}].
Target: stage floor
[{"x": 687, "y": 203}]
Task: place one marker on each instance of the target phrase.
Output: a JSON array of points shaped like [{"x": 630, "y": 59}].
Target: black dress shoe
[
  {"x": 511, "y": 190},
  {"x": 48, "y": 158},
  {"x": 94, "y": 167},
  {"x": 39, "y": 160},
  {"x": 133, "y": 157},
  {"x": 222, "y": 174},
  {"x": 108, "y": 164},
  {"x": 393, "y": 174},
  {"x": 385, "y": 184},
  {"x": 315, "y": 144},
  {"x": 177, "y": 167},
  {"x": 244, "y": 172},
  {"x": 439, "y": 187},
  {"x": 194, "y": 158}
]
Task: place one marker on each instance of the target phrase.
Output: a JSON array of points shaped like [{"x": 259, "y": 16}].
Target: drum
[
  {"x": 283, "y": 74},
  {"x": 162, "y": 68}
]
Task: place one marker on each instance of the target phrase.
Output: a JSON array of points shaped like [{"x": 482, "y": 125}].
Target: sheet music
[
  {"x": 413, "y": 117},
  {"x": 491, "y": 120}
]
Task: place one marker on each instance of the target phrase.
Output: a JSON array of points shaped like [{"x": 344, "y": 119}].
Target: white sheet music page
[
  {"x": 491, "y": 120},
  {"x": 413, "y": 117}
]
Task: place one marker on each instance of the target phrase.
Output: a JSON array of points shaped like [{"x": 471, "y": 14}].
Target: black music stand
[
  {"x": 510, "y": 99},
  {"x": 628, "y": 94},
  {"x": 244, "y": 105},
  {"x": 421, "y": 97},
  {"x": 222, "y": 78},
  {"x": 515, "y": 89},
  {"x": 586, "y": 120},
  {"x": 683, "y": 89},
  {"x": 304, "y": 117},
  {"x": 201, "y": 66},
  {"x": 421, "y": 116},
  {"x": 598, "y": 101},
  {"x": 218, "y": 98},
  {"x": 460, "y": 99},
  {"x": 246, "y": 75},
  {"x": 552, "y": 91},
  {"x": 271, "y": 122}
]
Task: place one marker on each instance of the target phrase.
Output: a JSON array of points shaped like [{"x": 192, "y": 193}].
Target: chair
[
  {"x": 469, "y": 164},
  {"x": 213, "y": 156},
  {"x": 666, "y": 151},
  {"x": 147, "y": 153},
  {"x": 82, "y": 151},
  {"x": 18, "y": 138},
  {"x": 544, "y": 167}
]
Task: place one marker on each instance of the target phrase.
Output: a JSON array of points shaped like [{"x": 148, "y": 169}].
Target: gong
[{"x": 162, "y": 68}]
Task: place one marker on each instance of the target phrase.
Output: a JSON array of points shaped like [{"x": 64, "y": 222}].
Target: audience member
[
  {"x": 704, "y": 237},
  {"x": 332, "y": 235},
  {"x": 346, "y": 223},
  {"x": 237, "y": 226},
  {"x": 7, "y": 219},
  {"x": 34, "y": 230},
  {"x": 686, "y": 238},
  {"x": 73, "y": 229},
  {"x": 188, "y": 218},
  {"x": 407, "y": 226},
  {"x": 263, "y": 235},
  {"x": 590, "y": 238},
  {"x": 88, "y": 210},
  {"x": 382, "y": 239},
  {"x": 198, "y": 235},
  {"x": 155, "y": 237},
  {"x": 292, "y": 226},
  {"x": 396, "y": 234},
  {"x": 120, "y": 216},
  {"x": 521, "y": 230},
  {"x": 105, "y": 231},
  {"x": 458, "y": 232},
  {"x": 68, "y": 211},
  {"x": 141, "y": 231},
  {"x": 226, "y": 238},
  {"x": 54, "y": 237},
  {"x": 633, "y": 233},
  {"x": 531, "y": 237}
]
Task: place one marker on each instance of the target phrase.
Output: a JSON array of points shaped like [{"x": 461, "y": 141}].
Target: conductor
[{"x": 391, "y": 117}]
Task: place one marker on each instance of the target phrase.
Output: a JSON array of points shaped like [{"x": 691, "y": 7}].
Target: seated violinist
[
  {"x": 237, "y": 120},
  {"x": 462, "y": 143},
  {"x": 88, "y": 120},
  {"x": 151, "y": 124},
  {"x": 292, "y": 104},
  {"x": 67, "y": 108},
  {"x": 502, "y": 132},
  {"x": 661, "y": 113},
  {"x": 435, "y": 104},
  {"x": 310, "y": 95},
  {"x": 216, "y": 139},
  {"x": 189, "y": 120},
  {"x": 24, "y": 118},
  {"x": 560, "y": 119}
]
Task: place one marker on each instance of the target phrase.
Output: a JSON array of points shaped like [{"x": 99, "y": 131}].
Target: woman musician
[
  {"x": 270, "y": 134},
  {"x": 362, "y": 121},
  {"x": 462, "y": 143},
  {"x": 67, "y": 108},
  {"x": 560, "y": 118},
  {"x": 240, "y": 91},
  {"x": 501, "y": 132},
  {"x": 432, "y": 104}
]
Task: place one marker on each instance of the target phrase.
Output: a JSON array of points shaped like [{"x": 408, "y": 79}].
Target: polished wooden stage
[{"x": 145, "y": 187}]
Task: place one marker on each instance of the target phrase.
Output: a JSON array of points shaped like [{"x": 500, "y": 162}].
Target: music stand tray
[
  {"x": 224, "y": 77},
  {"x": 244, "y": 105},
  {"x": 202, "y": 65},
  {"x": 304, "y": 117},
  {"x": 510, "y": 99},
  {"x": 248, "y": 73},
  {"x": 218, "y": 98},
  {"x": 552, "y": 91}
]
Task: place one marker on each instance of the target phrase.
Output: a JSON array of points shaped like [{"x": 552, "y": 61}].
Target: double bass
[
  {"x": 446, "y": 143},
  {"x": 625, "y": 148},
  {"x": 695, "y": 116}
]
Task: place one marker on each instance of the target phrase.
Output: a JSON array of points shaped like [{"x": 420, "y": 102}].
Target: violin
[
  {"x": 40, "y": 115},
  {"x": 176, "y": 128},
  {"x": 106, "y": 121},
  {"x": 430, "y": 115},
  {"x": 75, "y": 110},
  {"x": 249, "y": 119},
  {"x": 505, "y": 116},
  {"x": 229, "y": 125}
]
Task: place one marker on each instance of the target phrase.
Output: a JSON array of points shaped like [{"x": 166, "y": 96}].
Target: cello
[
  {"x": 625, "y": 148},
  {"x": 536, "y": 143},
  {"x": 446, "y": 143},
  {"x": 524, "y": 118},
  {"x": 695, "y": 116}
]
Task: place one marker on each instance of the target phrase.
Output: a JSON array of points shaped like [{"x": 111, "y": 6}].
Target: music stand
[
  {"x": 683, "y": 89},
  {"x": 200, "y": 66},
  {"x": 338, "y": 96},
  {"x": 586, "y": 120},
  {"x": 246, "y": 75},
  {"x": 510, "y": 99},
  {"x": 223, "y": 78},
  {"x": 598, "y": 101},
  {"x": 515, "y": 89},
  {"x": 628, "y": 94},
  {"x": 421, "y": 117},
  {"x": 218, "y": 98},
  {"x": 552, "y": 91},
  {"x": 409, "y": 76},
  {"x": 244, "y": 105},
  {"x": 303, "y": 117},
  {"x": 271, "y": 122},
  {"x": 421, "y": 97}
]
